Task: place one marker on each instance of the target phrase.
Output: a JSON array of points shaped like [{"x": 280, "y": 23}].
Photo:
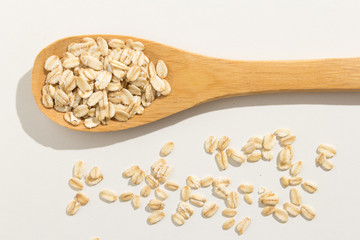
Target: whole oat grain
[
  {"x": 167, "y": 149},
  {"x": 228, "y": 224},
  {"x": 156, "y": 216},
  {"x": 309, "y": 186},
  {"x": 243, "y": 225},
  {"x": 173, "y": 186},
  {"x": 281, "y": 215},
  {"x": 206, "y": 181},
  {"x": 108, "y": 195},
  {"x": 81, "y": 198},
  {"x": 209, "y": 209}
]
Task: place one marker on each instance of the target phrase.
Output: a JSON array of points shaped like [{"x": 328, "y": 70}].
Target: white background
[{"x": 37, "y": 155}]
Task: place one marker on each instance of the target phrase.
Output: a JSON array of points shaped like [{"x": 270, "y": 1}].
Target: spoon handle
[{"x": 217, "y": 78}]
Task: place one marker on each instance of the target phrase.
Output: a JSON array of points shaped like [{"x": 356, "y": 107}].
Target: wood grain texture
[{"x": 196, "y": 79}]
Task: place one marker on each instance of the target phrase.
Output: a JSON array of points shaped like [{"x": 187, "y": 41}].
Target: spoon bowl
[{"x": 197, "y": 79}]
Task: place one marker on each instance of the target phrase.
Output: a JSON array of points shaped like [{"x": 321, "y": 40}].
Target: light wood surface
[{"x": 196, "y": 79}]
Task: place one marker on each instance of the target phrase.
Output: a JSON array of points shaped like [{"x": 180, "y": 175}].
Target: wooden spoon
[{"x": 196, "y": 79}]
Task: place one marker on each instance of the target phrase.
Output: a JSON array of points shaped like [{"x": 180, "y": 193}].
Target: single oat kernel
[
  {"x": 293, "y": 181},
  {"x": 185, "y": 193},
  {"x": 320, "y": 159},
  {"x": 223, "y": 143},
  {"x": 327, "y": 165},
  {"x": 210, "y": 144},
  {"x": 47, "y": 101},
  {"x": 161, "y": 193},
  {"x": 224, "y": 181},
  {"x": 91, "y": 122},
  {"x": 167, "y": 89},
  {"x": 249, "y": 148},
  {"x": 328, "y": 150},
  {"x": 269, "y": 141},
  {"x": 108, "y": 196},
  {"x": 221, "y": 191},
  {"x": 185, "y": 210},
  {"x": 291, "y": 209},
  {"x": 268, "y": 210},
  {"x": 52, "y": 62},
  {"x": 288, "y": 140},
  {"x": 81, "y": 198},
  {"x": 136, "y": 201},
  {"x": 267, "y": 155},
  {"x": 254, "y": 157},
  {"x": 173, "y": 186},
  {"x": 83, "y": 84},
  {"x": 258, "y": 141},
  {"x": 116, "y": 43},
  {"x": 145, "y": 191},
  {"x": 81, "y": 111},
  {"x": 79, "y": 170},
  {"x": 104, "y": 49},
  {"x": 307, "y": 212},
  {"x": 121, "y": 115},
  {"x": 282, "y": 132},
  {"x": 235, "y": 155},
  {"x": 282, "y": 166},
  {"x": 95, "y": 173},
  {"x": 193, "y": 182},
  {"x": 73, "y": 207},
  {"x": 161, "y": 69},
  {"x": 248, "y": 199},
  {"x": 209, "y": 209},
  {"x": 296, "y": 168},
  {"x": 198, "y": 199},
  {"x": 233, "y": 199},
  {"x": 167, "y": 149},
  {"x": 229, "y": 212},
  {"x": 228, "y": 224},
  {"x": 155, "y": 204},
  {"x": 284, "y": 157},
  {"x": 285, "y": 181},
  {"x": 269, "y": 198},
  {"x": 126, "y": 196},
  {"x": 156, "y": 216},
  {"x": 151, "y": 181},
  {"x": 295, "y": 196},
  {"x": 70, "y": 118},
  {"x": 281, "y": 215},
  {"x": 206, "y": 181},
  {"x": 91, "y": 61},
  {"x": 243, "y": 225},
  {"x": 54, "y": 76},
  {"x": 222, "y": 160},
  {"x": 246, "y": 188},
  {"x": 76, "y": 184},
  {"x": 309, "y": 186},
  {"x": 138, "y": 177},
  {"x": 157, "y": 83},
  {"x": 178, "y": 219},
  {"x": 94, "y": 177}
]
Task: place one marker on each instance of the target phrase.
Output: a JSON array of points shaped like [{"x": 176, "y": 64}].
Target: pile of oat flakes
[
  {"x": 255, "y": 149},
  {"x": 98, "y": 80}
]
